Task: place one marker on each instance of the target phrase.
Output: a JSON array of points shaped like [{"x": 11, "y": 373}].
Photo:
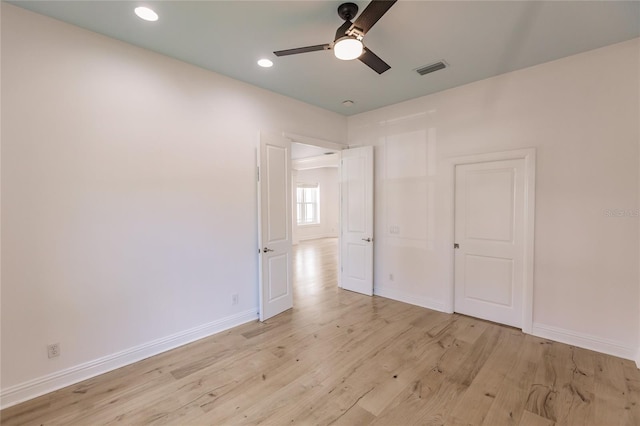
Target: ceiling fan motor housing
[{"x": 348, "y": 11}]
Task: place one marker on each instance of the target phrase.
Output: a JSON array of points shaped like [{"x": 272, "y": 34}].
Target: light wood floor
[{"x": 341, "y": 358}]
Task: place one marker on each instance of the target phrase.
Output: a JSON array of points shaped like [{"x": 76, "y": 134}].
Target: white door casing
[
  {"x": 528, "y": 156},
  {"x": 274, "y": 225},
  {"x": 489, "y": 238},
  {"x": 356, "y": 210}
]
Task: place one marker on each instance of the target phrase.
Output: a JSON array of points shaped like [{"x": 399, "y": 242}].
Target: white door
[
  {"x": 356, "y": 248},
  {"x": 274, "y": 225},
  {"x": 489, "y": 236}
]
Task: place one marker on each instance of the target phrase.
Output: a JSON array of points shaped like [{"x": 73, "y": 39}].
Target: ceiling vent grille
[{"x": 431, "y": 68}]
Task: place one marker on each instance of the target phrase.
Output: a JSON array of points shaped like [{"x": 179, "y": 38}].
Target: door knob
[
  {"x": 267, "y": 250},
  {"x": 367, "y": 240}
]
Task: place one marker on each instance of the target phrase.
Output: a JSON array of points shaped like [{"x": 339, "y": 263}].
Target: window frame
[{"x": 301, "y": 205}]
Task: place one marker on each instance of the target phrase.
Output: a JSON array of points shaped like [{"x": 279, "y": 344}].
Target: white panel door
[
  {"x": 274, "y": 207},
  {"x": 356, "y": 248},
  {"x": 489, "y": 238}
]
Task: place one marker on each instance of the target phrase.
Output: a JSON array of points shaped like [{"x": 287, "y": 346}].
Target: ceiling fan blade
[
  {"x": 302, "y": 50},
  {"x": 371, "y": 14},
  {"x": 372, "y": 60},
  {"x": 342, "y": 31}
]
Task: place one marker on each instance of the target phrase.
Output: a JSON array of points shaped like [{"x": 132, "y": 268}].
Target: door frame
[
  {"x": 529, "y": 157},
  {"x": 307, "y": 140}
]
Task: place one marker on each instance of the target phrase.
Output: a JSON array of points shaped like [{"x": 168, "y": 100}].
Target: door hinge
[{"x": 258, "y": 173}]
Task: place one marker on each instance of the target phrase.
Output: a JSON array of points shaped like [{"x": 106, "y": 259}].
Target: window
[{"x": 308, "y": 201}]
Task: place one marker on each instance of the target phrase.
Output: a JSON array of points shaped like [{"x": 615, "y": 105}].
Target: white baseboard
[
  {"x": 60, "y": 379},
  {"x": 410, "y": 298},
  {"x": 582, "y": 340}
]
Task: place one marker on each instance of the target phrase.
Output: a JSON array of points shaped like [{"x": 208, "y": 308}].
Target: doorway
[
  {"x": 492, "y": 236},
  {"x": 315, "y": 270},
  {"x": 315, "y": 182},
  {"x": 278, "y": 186}
]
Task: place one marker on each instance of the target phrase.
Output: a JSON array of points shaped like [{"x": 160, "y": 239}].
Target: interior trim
[
  {"x": 308, "y": 140},
  {"x": 410, "y": 298},
  {"x": 583, "y": 340},
  {"x": 529, "y": 157}
]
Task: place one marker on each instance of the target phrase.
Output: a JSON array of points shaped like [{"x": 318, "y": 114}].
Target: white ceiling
[{"x": 478, "y": 39}]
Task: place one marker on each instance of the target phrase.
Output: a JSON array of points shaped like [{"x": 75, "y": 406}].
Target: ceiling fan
[{"x": 348, "y": 44}]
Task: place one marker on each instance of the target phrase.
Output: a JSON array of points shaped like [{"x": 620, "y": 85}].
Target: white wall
[
  {"x": 328, "y": 182},
  {"x": 581, "y": 114},
  {"x": 129, "y": 199}
]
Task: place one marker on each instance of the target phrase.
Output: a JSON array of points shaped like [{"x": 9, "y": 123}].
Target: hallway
[{"x": 315, "y": 267}]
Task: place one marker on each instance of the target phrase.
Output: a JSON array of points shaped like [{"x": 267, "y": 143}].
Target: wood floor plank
[
  {"x": 406, "y": 361},
  {"x": 510, "y": 400},
  {"x": 530, "y": 419},
  {"x": 576, "y": 394},
  {"x": 610, "y": 389},
  {"x": 473, "y": 406},
  {"x": 329, "y": 371},
  {"x": 632, "y": 382},
  {"x": 405, "y": 407},
  {"x": 384, "y": 370},
  {"x": 355, "y": 416},
  {"x": 174, "y": 403},
  {"x": 541, "y": 400},
  {"x": 434, "y": 392},
  {"x": 342, "y": 358}
]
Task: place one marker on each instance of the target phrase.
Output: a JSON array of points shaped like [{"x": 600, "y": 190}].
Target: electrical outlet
[
  {"x": 234, "y": 299},
  {"x": 53, "y": 350}
]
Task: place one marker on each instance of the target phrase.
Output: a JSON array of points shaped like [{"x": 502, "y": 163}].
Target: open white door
[
  {"x": 274, "y": 229},
  {"x": 356, "y": 248}
]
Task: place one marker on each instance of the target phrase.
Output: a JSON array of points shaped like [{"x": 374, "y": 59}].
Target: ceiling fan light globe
[{"x": 348, "y": 48}]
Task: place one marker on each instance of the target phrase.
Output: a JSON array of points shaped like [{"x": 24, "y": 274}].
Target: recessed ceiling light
[
  {"x": 146, "y": 13},
  {"x": 347, "y": 103},
  {"x": 265, "y": 63}
]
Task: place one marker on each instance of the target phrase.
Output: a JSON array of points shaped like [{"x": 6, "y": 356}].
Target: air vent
[{"x": 431, "y": 68}]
